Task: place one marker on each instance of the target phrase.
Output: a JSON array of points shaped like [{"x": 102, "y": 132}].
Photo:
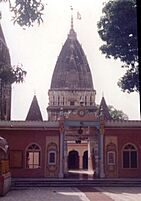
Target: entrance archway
[
  {"x": 85, "y": 160},
  {"x": 73, "y": 160}
]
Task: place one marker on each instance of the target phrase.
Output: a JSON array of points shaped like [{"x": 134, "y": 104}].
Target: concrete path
[
  {"x": 74, "y": 194},
  {"x": 45, "y": 194},
  {"x": 122, "y": 193}
]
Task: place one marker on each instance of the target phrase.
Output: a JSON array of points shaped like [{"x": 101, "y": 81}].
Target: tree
[
  {"x": 9, "y": 75},
  {"x": 114, "y": 113},
  {"x": 117, "y": 114},
  {"x": 118, "y": 29},
  {"x": 26, "y": 12}
]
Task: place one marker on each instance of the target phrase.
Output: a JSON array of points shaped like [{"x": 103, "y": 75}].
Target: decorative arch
[
  {"x": 73, "y": 160},
  {"x": 111, "y": 160},
  {"x": 33, "y": 156},
  {"x": 52, "y": 164},
  {"x": 111, "y": 154},
  {"x": 129, "y": 156},
  {"x": 52, "y": 151}
]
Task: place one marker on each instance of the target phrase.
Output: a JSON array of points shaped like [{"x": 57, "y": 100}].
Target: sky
[{"x": 37, "y": 49}]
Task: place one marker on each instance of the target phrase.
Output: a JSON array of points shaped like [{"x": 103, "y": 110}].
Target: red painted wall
[
  {"x": 125, "y": 136},
  {"x": 18, "y": 140}
]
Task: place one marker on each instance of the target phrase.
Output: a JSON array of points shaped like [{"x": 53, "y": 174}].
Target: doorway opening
[{"x": 73, "y": 160}]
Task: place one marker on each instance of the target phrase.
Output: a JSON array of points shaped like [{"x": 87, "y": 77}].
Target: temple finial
[
  {"x": 72, "y": 34},
  {"x": 71, "y": 17}
]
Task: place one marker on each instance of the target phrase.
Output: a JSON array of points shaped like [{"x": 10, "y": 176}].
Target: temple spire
[
  {"x": 34, "y": 113},
  {"x": 104, "y": 110}
]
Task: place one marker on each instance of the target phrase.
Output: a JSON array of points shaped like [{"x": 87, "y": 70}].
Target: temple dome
[{"x": 72, "y": 69}]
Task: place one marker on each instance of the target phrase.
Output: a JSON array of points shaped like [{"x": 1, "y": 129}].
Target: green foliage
[
  {"x": 117, "y": 114},
  {"x": 130, "y": 81},
  {"x": 118, "y": 29},
  {"x": 10, "y": 74},
  {"x": 26, "y": 12}
]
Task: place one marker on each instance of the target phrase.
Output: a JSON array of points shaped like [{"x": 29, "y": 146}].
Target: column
[
  {"x": 61, "y": 170},
  {"x": 89, "y": 156},
  {"x": 90, "y": 151},
  {"x": 96, "y": 158},
  {"x": 102, "y": 175},
  {"x": 65, "y": 155},
  {"x": 90, "y": 160},
  {"x": 80, "y": 161}
]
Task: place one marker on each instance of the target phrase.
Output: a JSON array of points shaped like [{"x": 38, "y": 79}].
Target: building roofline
[
  {"x": 123, "y": 123},
  {"x": 28, "y": 124}
]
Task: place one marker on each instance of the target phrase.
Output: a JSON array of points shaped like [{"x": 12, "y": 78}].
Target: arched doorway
[
  {"x": 73, "y": 160},
  {"x": 85, "y": 160}
]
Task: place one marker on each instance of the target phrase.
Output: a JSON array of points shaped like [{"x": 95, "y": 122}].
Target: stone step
[{"x": 21, "y": 183}]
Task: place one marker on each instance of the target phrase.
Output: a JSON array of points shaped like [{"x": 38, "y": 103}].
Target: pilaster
[{"x": 101, "y": 139}]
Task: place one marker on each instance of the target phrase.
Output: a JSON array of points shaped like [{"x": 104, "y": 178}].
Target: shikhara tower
[{"x": 71, "y": 81}]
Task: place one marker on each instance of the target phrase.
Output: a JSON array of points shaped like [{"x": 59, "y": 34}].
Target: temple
[{"x": 78, "y": 135}]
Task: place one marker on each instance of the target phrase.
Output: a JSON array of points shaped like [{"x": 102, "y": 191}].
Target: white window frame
[
  {"x": 49, "y": 162},
  {"x": 129, "y": 152}
]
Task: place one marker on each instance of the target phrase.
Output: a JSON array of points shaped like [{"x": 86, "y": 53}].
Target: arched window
[
  {"x": 52, "y": 155},
  {"x": 63, "y": 100},
  {"x": 52, "y": 158},
  {"x": 33, "y": 156},
  {"x": 91, "y": 100},
  {"x": 129, "y": 156},
  {"x": 85, "y": 100},
  {"x": 58, "y": 100},
  {"x": 53, "y": 102},
  {"x": 111, "y": 154}
]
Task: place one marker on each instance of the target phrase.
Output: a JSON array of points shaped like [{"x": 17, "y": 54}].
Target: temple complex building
[{"x": 78, "y": 135}]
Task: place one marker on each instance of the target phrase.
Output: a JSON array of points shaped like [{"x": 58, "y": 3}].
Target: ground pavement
[{"x": 74, "y": 194}]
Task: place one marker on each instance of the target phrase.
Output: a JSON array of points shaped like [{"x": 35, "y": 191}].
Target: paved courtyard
[
  {"x": 122, "y": 193},
  {"x": 74, "y": 194}
]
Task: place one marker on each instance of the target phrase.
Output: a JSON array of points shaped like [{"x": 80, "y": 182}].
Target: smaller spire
[
  {"x": 34, "y": 113},
  {"x": 103, "y": 109}
]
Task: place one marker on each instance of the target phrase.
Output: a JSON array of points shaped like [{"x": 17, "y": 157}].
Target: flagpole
[{"x": 71, "y": 17}]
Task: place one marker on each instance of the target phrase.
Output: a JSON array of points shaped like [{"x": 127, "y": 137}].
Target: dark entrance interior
[
  {"x": 73, "y": 160},
  {"x": 85, "y": 160}
]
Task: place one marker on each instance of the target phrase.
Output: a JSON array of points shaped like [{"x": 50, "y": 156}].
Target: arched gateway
[
  {"x": 73, "y": 160},
  {"x": 83, "y": 150}
]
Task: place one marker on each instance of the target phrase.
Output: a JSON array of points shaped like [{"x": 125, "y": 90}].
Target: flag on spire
[
  {"x": 71, "y": 7},
  {"x": 78, "y": 16}
]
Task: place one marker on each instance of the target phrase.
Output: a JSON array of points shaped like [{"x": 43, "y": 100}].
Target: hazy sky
[{"x": 38, "y": 48}]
